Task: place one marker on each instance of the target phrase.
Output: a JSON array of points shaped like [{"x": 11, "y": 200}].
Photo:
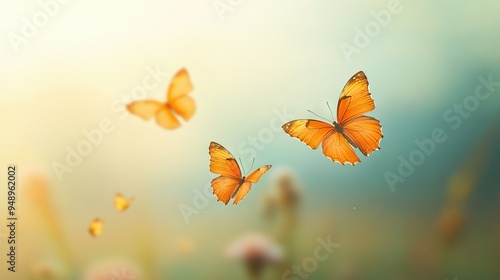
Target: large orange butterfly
[
  {"x": 352, "y": 129},
  {"x": 230, "y": 183},
  {"x": 178, "y": 101}
]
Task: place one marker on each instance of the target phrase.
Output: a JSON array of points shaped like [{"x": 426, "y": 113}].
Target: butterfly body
[
  {"x": 338, "y": 127},
  {"x": 231, "y": 183},
  {"x": 240, "y": 183},
  {"x": 352, "y": 128},
  {"x": 340, "y": 130}
]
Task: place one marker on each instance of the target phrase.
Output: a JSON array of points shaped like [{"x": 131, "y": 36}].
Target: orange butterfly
[
  {"x": 178, "y": 101},
  {"x": 352, "y": 129},
  {"x": 95, "y": 227},
  {"x": 121, "y": 204},
  {"x": 230, "y": 183}
]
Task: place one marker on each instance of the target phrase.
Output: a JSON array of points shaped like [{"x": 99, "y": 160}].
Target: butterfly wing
[
  {"x": 366, "y": 132},
  {"x": 166, "y": 119},
  {"x": 337, "y": 148},
  {"x": 242, "y": 192},
  {"x": 121, "y": 204},
  {"x": 311, "y": 132},
  {"x": 222, "y": 162},
  {"x": 253, "y": 178},
  {"x": 224, "y": 187},
  {"x": 355, "y": 99},
  {"x": 146, "y": 109},
  {"x": 177, "y": 95}
]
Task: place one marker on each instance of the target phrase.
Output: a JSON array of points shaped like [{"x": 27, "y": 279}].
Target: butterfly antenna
[
  {"x": 331, "y": 114},
  {"x": 253, "y": 161},
  {"x": 319, "y": 116},
  {"x": 241, "y": 163}
]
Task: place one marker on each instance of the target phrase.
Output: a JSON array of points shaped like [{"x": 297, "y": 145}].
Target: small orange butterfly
[
  {"x": 230, "y": 183},
  {"x": 352, "y": 129},
  {"x": 95, "y": 228},
  {"x": 121, "y": 204},
  {"x": 178, "y": 101}
]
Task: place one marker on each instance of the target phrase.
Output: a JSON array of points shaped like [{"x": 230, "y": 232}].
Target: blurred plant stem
[
  {"x": 35, "y": 190},
  {"x": 281, "y": 211},
  {"x": 460, "y": 186},
  {"x": 451, "y": 222}
]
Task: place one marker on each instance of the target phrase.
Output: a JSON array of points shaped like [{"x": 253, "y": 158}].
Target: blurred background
[{"x": 68, "y": 68}]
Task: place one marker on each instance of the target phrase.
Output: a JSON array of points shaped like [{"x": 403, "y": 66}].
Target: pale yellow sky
[{"x": 258, "y": 58}]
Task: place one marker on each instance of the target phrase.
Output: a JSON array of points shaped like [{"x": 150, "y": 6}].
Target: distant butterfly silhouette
[
  {"x": 95, "y": 228},
  {"x": 178, "y": 101},
  {"x": 231, "y": 184},
  {"x": 121, "y": 204},
  {"x": 352, "y": 129}
]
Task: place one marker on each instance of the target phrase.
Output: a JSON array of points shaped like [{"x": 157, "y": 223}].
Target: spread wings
[
  {"x": 352, "y": 130},
  {"x": 178, "y": 102},
  {"x": 121, "y": 203},
  {"x": 230, "y": 183}
]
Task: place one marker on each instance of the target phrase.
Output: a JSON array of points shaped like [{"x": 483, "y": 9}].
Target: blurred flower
[
  {"x": 288, "y": 193},
  {"x": 270, "y": 206},
  {"x": 122, "y": 274},
  {"x": 451, "y": 224},
  {"x": 256, "y": 251},
  {"x": 185, "y": 246},
  {"x": 424, "y": 257},
  {"x": 112, "y": 271},
  {"x": 45, "y": 270},
  {"x": 280, "y": 210},
  {"x": 281, "y": 204}
]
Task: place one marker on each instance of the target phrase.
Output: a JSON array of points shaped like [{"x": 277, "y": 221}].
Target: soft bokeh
[{"x": 254, "y": 66}]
